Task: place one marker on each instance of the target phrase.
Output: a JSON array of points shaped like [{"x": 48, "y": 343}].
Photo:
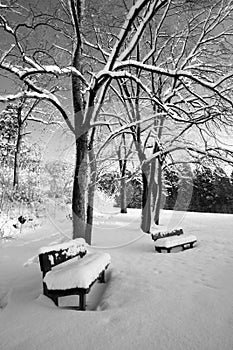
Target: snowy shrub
[
  {"x": 8, "y": 227},
  {"x": 109, "y": 183}
]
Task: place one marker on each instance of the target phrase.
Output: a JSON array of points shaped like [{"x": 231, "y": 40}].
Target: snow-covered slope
[{"x": 181, "y": 300}]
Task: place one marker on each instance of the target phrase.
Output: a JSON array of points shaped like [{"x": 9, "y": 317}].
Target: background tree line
[{"x": 212, "y": 189}]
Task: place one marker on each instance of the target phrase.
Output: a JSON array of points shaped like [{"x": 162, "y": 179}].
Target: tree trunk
[
  {"x": 80, "y": 176},
  {"x": 146, "y": 199},
  {"x": 17, "y": 151},
  {"x": 159, "y": 193},
  {"x": 122, "y": 166},
  {"x": 90, "y": 196},
  {"x": 151, "y": 193},
  {"x": 79, "y": 188},
  {"x": 123, "y": 196}
]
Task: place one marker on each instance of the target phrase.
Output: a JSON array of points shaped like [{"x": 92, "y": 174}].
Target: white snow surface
[
  {"x": 177, "y": 301},
  {"x": 171, "y": 241},
  {"x": 77, "y": 273}
]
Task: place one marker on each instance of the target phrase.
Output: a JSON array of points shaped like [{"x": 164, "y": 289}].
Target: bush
[{"x": 109, "y": 183}]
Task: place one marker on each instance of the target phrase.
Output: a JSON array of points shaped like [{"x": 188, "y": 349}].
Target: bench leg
[
  {"x": 191, "y": 245},
  {"x": 102, "y": 277},
  {"x": 157, "y": 249},
  {"x": 46, "y": 293},
  {"x": 82, "y": 301},
  {"x": 55, "y": 299},
  {"x": 169, "y": 250}
]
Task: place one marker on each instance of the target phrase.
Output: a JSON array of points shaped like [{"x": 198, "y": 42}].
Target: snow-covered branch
[
  {"x": 124, "y": 128},
  {"x": 178, "y": 74},
  {"x": 66, "y": 71},
  {"x": 45, "y": 122},
  {"x": 41, "y": 95},
  {"x": 29, "y": 94},
  {"x": 132, "y": 15}
]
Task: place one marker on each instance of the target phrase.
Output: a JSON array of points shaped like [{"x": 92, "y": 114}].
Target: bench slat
[{"x": 57, "y": 254}]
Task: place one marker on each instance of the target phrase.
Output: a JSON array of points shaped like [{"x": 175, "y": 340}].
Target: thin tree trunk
[
  {"x": 17, "y": 149},
  {"x": 123, "y": 196},
  {"x": 123, "y": 193},
  {"x": 91, "y": 195},
  {"x": 122, "y": 165},
  {"x": 146, "y": 199},
  {"x": 16, "y": 161},
  {"x": 154, "y": 185},
  {"x": 159, "y": 193},
  {"x": 151, "y": 192}
]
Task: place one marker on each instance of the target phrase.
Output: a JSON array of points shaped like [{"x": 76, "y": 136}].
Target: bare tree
[
  {"x": 189, "y": 58},
  {"x": 88, "y": 95},
  {"x": 187, "y": 68},
  {"x": 25, "y": 112}
]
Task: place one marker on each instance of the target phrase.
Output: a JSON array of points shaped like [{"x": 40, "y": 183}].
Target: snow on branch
[
  {"x": 25, "y": 72},
  {"x": 177, "y": 73},
  {"x": 214, "y": 154},
  {"x": 43, "y": 94},
  {"x": 45, "y": 122},
  {"x": 131, "y": 16},
  {"x": 28, "y": 94},
  {"x": 152, "y": 8},
  {"x": 217, "y": 154},
  {"x": 6, "y": 53},
  {"x": 52, "y": 69},
  {"x": 124, "y": 74},
  {"x": 123, "y": 129},
  {"x": 156, "y": 35}
]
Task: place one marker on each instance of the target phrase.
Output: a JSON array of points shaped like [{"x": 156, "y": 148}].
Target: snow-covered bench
[
  {"x": 167, "y": 243},
  {"x": 69, "y": 269}
]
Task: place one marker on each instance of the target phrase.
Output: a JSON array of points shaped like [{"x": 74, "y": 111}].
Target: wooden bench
[
  {"x": 167, "y": 243},
  {"x": 69, "y": 269}
]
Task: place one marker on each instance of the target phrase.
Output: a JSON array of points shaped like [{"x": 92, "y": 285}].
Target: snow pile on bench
[
  {"x": 174, "y": 241},
  {"x": 166, "y": 233},
  {"x": 73, "y": 247},
  {"x": 76, "y": 273}
]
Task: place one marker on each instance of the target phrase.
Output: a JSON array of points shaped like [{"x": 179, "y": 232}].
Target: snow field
[{"x": 176, "y": 301}]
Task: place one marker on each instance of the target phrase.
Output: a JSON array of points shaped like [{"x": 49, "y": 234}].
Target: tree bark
[
  {"x": 79, "y": 188},
  {"x": 146, "y": 199},
  {"x": 152, "y": 192},
  {"x": 81, "y": 135},
  {"x": 123, "y": 196},
  {"x": 90, "y": 195},
  {"x": 122, "y": 165},
  {"x": 17, "y": 148},
  {"x": 16, "y": 160},
  {"x": 159, "y": 193}
]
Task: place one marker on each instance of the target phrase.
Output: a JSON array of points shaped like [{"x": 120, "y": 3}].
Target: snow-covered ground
[{"x": 181, "y": 300}]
